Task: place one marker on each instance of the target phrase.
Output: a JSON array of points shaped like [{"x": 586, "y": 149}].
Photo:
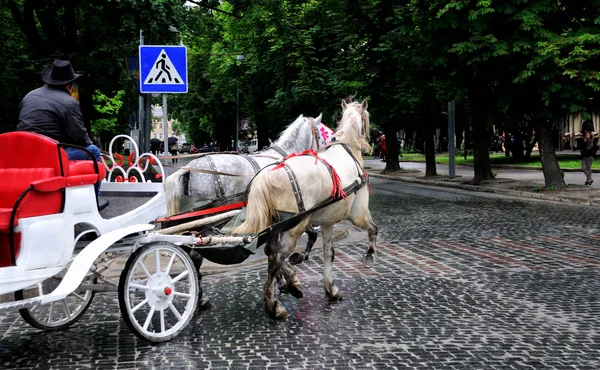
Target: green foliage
[{"x": 108, "y": 109}]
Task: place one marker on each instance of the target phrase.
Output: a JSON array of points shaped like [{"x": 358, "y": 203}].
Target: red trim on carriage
[{"x": 204, "y": 212}]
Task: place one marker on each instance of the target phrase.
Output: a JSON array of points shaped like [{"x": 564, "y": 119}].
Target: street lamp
[{"x": 239, "y": 58}]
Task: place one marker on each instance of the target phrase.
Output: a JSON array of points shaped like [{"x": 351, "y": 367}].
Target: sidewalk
[{"x": 512, "y": 181}]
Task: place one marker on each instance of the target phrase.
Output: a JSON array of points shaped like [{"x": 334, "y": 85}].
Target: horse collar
[{"x": 279, "y": 150}]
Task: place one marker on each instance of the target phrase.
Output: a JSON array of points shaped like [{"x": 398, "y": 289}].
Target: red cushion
[
  {"x": 28, "y": 150},
  {"x": 13, "y": 181},
  {"x": 86, "y": 167},
  {"x": 4, "y": 219},
  {"x": 5, "y": 248}
]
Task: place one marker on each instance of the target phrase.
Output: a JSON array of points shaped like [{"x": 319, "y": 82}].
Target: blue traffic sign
[{"x": 163, "y": 69}]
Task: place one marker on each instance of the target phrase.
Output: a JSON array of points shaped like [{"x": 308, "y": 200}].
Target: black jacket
[{"x": 53, "y": 112}]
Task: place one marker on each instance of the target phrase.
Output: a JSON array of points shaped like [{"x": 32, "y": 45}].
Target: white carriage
[{"x": 54, "y": 242}]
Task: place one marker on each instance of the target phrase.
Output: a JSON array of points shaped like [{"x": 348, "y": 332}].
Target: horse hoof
[
  {"x": 295, "y": 290},
  {"x": 339, "y": 296},
  {"x": 368, "y": 260},
  {"x": 280, "y": 313},
  {"x": 296, "y": 258}
]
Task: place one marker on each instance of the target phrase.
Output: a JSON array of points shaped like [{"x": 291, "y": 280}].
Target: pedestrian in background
[{"x": 587, "y": 156}]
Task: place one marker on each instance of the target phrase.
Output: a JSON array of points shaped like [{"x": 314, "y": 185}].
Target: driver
[{"x": 51, "y": 111}]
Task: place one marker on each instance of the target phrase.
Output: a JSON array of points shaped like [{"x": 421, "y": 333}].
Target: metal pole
[
  {"x": 141, "y": 112},
  {"x": 451, "y": 144},
  {"x": 166, "y": 125},
  {"x": 237, "y": 120}
]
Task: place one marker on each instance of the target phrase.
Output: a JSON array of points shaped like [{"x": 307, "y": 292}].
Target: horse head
[
  {"x": 302, "y": 134},
  {"x": 353, "y": 128}
]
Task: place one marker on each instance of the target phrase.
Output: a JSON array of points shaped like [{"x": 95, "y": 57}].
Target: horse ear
[
  {"x": 364, "y": 105},
  {"x": 319, "y": 118},
  {"x": 344, "y": 105}
]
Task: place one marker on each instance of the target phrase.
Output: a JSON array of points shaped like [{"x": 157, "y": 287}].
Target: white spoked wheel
[
  {"x": 158, "y": 291},
  {"x": 60, "y": 314}
]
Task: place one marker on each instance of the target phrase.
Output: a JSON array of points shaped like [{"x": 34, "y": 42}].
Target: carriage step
[{"x": 17, "y": 305}]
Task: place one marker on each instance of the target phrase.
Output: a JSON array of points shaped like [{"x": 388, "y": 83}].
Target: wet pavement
[{"x": 462, "y": 280}]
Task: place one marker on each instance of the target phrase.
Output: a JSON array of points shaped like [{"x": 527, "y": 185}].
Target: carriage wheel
[
  {"x": 158, "y": 291},
  {"x": 60, "y": 314}
]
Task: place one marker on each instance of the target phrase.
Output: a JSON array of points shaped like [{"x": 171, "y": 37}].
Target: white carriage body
[{"x": 47, "y": 242}]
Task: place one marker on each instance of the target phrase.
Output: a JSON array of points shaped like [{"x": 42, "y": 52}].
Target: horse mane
[
  {"x": 292, "y": 130},
  {"x": 355, "y": 119}
]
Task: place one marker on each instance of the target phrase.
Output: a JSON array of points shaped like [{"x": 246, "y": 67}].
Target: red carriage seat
[{"x": 36, "y": 161}]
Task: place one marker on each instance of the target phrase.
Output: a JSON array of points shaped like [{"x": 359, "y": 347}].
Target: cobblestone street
[{"x": 462, "y": 280}]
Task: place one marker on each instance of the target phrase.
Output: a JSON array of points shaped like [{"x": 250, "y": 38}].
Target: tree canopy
[{"x": 520, "y": 65}]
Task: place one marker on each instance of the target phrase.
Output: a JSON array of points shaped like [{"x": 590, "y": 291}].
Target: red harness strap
[{"x": 337, "y": 192}]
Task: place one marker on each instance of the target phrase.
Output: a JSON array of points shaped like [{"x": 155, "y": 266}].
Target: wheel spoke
[
  {"x": 162, "y": 321},
  {"x": 138, "y": 286},
  {"x": 180, "y": 294},
  {"x": 168, "y": 269},
  {"x": 157, "y": 257},
  {"x": 149, "y": 318},
  {"x": 78, "y": 296},
  {"x": 143, "y": 267},
  {"x": 50, "y": 313},
  {"x": 66, "y": 308},
  {"x": 139, "y": 305},
  {"x": 181, "y": 276},
  {"x": 174, "y": 310}
]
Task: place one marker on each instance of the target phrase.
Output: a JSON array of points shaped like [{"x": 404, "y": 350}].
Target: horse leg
[
  {"x": 331, "y": 290},
  {"x": 366, "y": 222},
  {"x": 275, "y": 259},
  {"x": 369, "y": 257},
  {"x": 297, "y": 258},
  {"x": 288, "y": 244}
]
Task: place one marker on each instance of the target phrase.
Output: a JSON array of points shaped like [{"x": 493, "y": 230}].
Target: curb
[{"x": 476, "y": 188}]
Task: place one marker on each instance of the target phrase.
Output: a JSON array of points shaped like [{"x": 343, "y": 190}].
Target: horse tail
[
  {"x": 260, "y": 208},
  {"x": 174, "y": 187}
]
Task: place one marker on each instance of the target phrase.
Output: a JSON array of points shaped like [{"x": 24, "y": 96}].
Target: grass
[{"x": 565, "y": 161}]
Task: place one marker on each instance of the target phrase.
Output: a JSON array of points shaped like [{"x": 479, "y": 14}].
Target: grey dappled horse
[
  {"x": 201, "y": 180},
  {"x": 198, "y": 180}
]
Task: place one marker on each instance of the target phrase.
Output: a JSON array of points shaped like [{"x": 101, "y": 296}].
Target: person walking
[
  {"x": 587, "y": 157},
  {"x": 51, "y": 111}
]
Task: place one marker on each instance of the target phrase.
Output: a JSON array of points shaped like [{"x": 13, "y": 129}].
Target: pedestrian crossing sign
[{"x": 163, "y": 69}]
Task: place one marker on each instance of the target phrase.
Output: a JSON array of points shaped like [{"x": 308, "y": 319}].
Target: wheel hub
[{"x": 160, "y": 292}]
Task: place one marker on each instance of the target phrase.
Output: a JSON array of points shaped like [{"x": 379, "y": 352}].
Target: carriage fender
[{"x": 84, "y": 260}]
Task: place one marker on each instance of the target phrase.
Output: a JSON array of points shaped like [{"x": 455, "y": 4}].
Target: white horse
[
  {"x": 225, "y": 176},
  {"x": 335, "y": 168}
]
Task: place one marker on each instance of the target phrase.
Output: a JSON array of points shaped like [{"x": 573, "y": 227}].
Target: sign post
[{"x": 163, "y": 69}]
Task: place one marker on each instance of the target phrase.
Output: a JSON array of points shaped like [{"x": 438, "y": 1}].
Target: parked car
[
  {"x": 252, "y": 146},
  {"x": 194, "y": 149},
  {"x": 243, "y": 147},
  {"x": 186, "y": 148},
  {"x": 209, "y": 148}
]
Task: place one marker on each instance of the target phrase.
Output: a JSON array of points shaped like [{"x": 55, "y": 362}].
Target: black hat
[{"x": 61, "y": 73}]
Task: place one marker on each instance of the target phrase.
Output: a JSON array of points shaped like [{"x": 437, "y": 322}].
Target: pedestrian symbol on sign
[{"x": 163, "y": 72}]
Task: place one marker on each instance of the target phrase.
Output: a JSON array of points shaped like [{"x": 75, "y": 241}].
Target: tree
[{"x": 95, "y": 36}]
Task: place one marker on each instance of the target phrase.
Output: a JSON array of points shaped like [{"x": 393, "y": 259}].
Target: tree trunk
[
  {"x": 481, "y": 144},
  {"x": 553, "y": 175},
  {"x": 391, "y": 155},
  {"x": 429, "y": 143},
  {"x": 517, "y": 148}
]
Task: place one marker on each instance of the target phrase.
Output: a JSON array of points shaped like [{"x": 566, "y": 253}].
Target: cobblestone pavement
[{"x": 462, "y": 280}]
